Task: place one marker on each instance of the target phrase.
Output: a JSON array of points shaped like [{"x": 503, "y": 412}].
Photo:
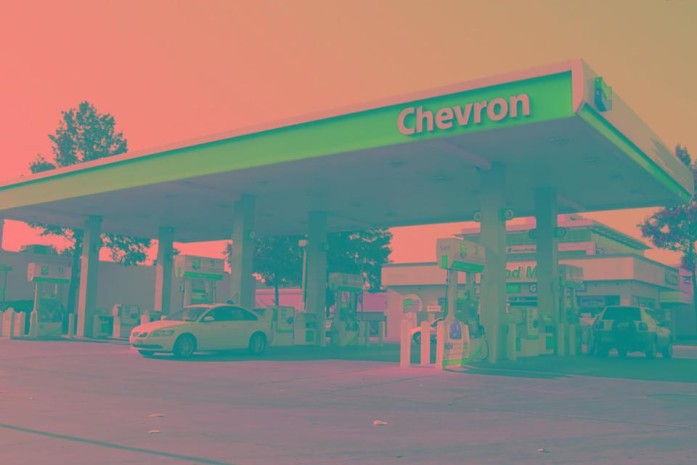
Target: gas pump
[
  {"x": 126, "y": 317},
  {"x": 345, "y": 327},
  {"x": 570, "y": 281},
  {"x": 282, "y": 322},
  {"x": 198, "y": 277},
  {"x": 526, "y": 320},
  {"x": 459, "y": 337},
  {"x": 50, "y": 281}
]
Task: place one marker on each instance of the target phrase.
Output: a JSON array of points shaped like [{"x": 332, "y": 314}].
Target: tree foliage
[
  {"x": 83, "y": 135},
  {"x": 278, "y": 260},
  {"x": 675, "y": 228},
  {"x": 360, "y": 252}
]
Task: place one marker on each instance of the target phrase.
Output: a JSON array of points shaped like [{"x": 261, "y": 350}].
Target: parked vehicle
[
  {"x": 630, "y": 329},
  {"x": 209, "y": 327}
]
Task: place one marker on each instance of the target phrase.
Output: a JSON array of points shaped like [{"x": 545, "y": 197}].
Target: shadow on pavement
[
  {"x": 638, "y": 367},
  {"x": 386, "y": 353}
]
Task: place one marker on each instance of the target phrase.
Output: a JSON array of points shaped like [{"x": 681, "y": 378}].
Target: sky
[{"x": 172, "y": 71}]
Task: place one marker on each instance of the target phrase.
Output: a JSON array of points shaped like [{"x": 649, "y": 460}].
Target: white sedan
[{"x": 209, "y": 327}]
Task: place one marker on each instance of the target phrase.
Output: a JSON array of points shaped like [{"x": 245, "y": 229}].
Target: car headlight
[{"x": 162, "y": 332}]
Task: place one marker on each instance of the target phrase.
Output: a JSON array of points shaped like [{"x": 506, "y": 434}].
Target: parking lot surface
[{"x": 77, "y": 403}]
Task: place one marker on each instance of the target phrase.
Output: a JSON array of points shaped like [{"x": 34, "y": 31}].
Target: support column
[
  {"x": 2, "y": 231},
  {"x": 316, "y": 281},
  {"x": 451, "y": 295},
  {"x": 547, "y": 259},
  {"x": 242, "y": 287},
  {"x": 89, "y": 268},
  {"x": 163, "y": 270},
  {"x": 493, "y": 239}
]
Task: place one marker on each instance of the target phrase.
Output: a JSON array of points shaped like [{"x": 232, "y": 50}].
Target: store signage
[
  {"x": 188, "y": 266},
  {"x": 461, "y": 255},
  {"x": 41, "y": 272},
  {"x": 522, "y": 273},
  {"x": 417, "y": 120}
]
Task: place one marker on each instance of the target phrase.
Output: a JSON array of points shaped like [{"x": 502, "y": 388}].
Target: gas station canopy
[{"x": 408, "y": 160}]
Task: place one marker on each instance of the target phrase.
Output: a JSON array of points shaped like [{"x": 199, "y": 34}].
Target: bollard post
[
  {"x": 440, "y": 344},
  {"x": 20, "y": 323},
  {"x": 561, "y": 340},
  {"x": 116, "y": 330},
  {"x": 572, "y": 339},
  {"x": 425, "y": 343},
  {"x": 405, "y": 345},
  {"x": 363, "y": 334},
  {"x": 71, "y": 325},
  {"x": 10, "y": 323},
  {"x": 34, "y": 324},
  {"x": 512, "y": 336}
]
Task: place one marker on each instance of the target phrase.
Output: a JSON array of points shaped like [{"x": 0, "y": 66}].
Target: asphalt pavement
[{"x": 77, "y": 403}]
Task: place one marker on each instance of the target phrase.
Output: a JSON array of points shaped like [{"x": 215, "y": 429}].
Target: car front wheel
[
  {"x": 257, "y": 344},
  {"x": 185, "y": 346}
]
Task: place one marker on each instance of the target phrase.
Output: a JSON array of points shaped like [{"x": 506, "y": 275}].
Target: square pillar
[
  {"x": 242, "y": 286},
  {"x": 316, "y": 280},
  {"x": 163, "y": 271},
  {"x": 547, "y": 257},
  {"x": 493, "y": 238},
  {"x": 89, "y": 268}
]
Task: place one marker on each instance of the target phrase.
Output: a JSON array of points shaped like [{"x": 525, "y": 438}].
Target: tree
[
  {"x": 84, "y": 134},
  {"x": 360, "y": 252},
  {"x": 39, "y": 249},
  {"x": 278, "y": 260},
  {"x": 675, "y": 228}
]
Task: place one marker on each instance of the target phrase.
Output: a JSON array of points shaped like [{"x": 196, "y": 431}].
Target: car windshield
[
  {"x": 622, "y": 313},
  {"x": 188, "y": 314}
]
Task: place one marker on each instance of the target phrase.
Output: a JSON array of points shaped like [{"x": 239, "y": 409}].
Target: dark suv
[{"x": 630, "y": 329}]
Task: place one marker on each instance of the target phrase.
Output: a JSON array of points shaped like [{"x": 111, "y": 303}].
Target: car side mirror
[{"x": 208, "y": 319}]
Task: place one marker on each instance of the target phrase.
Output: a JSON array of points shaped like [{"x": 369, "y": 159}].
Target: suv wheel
[
  {"x": 601, "y": 351},
  {"x": 667, "y": 351},
  {"x": 651, "y": 349}
]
